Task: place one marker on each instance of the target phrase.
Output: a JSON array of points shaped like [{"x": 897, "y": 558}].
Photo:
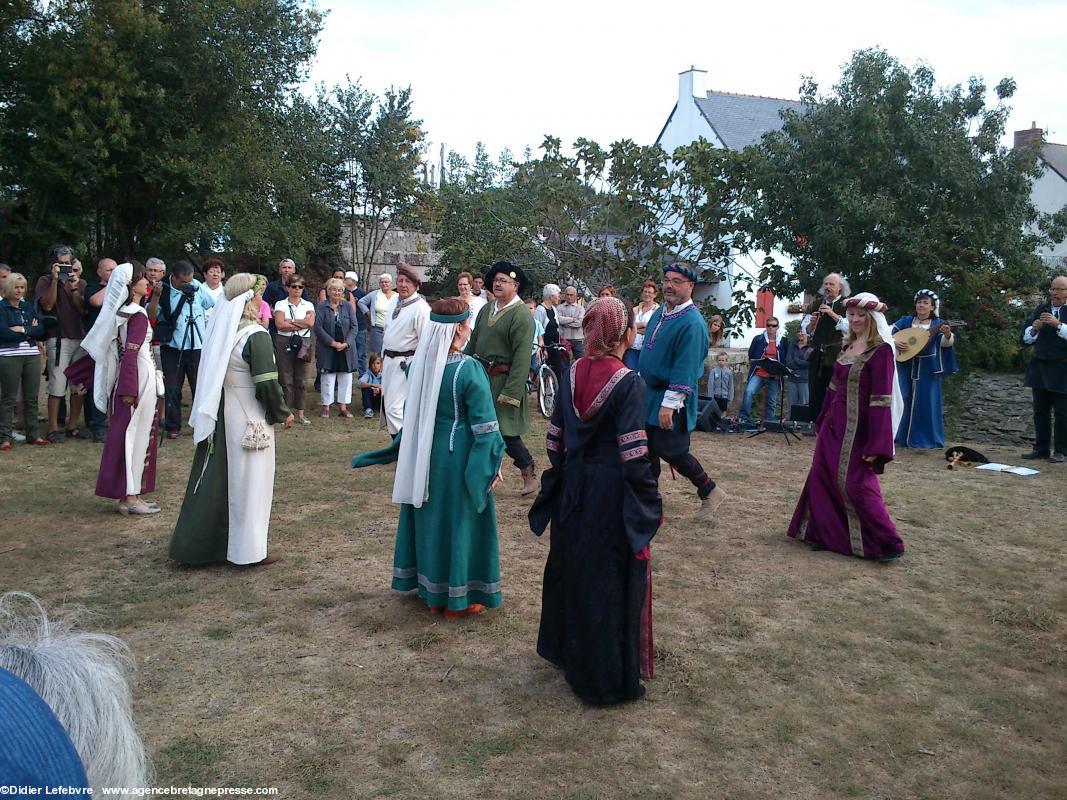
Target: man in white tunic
[{"x": 402, "y": 333}]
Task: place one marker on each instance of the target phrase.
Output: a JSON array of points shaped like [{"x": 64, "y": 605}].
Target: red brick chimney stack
[{"x": 1027, "y": 137}]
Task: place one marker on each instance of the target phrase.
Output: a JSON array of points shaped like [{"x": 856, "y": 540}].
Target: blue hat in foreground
[{"x": 684, "y": 271}]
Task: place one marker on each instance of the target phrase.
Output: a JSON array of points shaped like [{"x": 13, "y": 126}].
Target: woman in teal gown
[{"x": 448, "y": 458}]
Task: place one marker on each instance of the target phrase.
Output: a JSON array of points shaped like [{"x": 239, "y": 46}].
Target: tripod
[
  {"x": 778, "y": 372},
  {"x": 179, "y": 362}
]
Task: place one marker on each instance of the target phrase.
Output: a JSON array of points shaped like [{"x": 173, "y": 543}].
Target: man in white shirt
[
  {"x": 1046, "y": 374},
  {"x": 402, "y": 333}
]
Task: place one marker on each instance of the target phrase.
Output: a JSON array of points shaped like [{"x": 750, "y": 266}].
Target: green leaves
[
  {"x": 900, "y": 185},
  {"x": 138, "y": 129}
]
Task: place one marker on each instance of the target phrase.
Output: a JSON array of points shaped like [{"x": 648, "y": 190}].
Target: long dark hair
[{"x": 136, "y": 275}]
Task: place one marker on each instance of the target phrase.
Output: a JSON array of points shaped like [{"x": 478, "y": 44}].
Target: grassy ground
[{"x": 779, "y": 673}]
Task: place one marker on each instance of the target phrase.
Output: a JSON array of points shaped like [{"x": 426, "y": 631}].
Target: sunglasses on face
[
  {"x": 772, "y": 324},
  {"x": 296, "y": 286}
]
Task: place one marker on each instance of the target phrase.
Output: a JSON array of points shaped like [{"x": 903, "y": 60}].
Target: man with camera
[
  {"x": 180, "y": 327},
  {"x": 96, "y": 418},
  {"x": 59, "y": 295}
]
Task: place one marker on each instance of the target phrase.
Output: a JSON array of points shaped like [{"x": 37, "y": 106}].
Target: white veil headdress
[
  {"x": 219, "y": 340},
  {"x": 412, "y": 484},
  {"x": 876, "y": 308},
  {"x": 100, "y": 341}
]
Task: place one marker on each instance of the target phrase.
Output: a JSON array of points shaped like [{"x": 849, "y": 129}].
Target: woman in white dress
[
  {"x": 124, "y": 382},
  {"x": 226, "y": 511}
]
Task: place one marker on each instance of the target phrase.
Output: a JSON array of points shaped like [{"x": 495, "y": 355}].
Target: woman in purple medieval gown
[
  {"x": 124, "y": 382},
  {"x": 841, "y": 507}
]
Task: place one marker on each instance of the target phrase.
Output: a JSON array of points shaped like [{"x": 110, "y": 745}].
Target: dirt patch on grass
[{"x": 780, "y": 672}]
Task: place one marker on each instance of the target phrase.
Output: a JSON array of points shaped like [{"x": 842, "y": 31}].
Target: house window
[{"x": 764, "y": 307}]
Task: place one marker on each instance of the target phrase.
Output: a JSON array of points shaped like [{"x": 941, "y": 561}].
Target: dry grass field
[{"x": 780, "y": 673}]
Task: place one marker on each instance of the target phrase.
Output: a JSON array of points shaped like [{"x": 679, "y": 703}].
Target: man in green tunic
[{"x": 503, "y": 342}]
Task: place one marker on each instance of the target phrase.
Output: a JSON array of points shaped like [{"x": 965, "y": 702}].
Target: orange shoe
[
  {"x": 435, "y": 609},
  {"x": 469, "y": 611}
]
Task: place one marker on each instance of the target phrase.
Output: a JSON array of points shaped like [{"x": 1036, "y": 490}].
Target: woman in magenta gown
[{"x": 841, "y": 507}]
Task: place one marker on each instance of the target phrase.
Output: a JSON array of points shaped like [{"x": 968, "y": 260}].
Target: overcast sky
[{"x": 506, "y": 73}]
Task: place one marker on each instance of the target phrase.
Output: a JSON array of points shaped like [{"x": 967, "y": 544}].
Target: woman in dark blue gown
[{"x": 604, "y": 507}]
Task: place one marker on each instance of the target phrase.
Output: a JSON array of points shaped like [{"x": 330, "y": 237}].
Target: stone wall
[
  {"x": 989, "y": 408},
  {"x": 416, "y": 248}
]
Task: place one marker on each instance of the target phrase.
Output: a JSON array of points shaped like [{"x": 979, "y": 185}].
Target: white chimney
[{"x": 692, "y": 83}]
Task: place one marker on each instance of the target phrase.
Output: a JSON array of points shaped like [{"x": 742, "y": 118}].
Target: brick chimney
[{"x": 1028, "y": 137}]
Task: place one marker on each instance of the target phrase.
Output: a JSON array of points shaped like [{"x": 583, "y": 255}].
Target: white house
[
  {"x": 734, "y": 121},
  {"x": 1049, "y": 190}
]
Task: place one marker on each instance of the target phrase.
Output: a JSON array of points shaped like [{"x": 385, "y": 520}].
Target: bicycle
[{"x": 544, "y": 381}]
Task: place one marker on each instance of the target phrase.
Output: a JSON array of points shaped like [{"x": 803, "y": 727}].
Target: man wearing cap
[
  {"x": 353, "y": 294},
  {"x": 501, "y": 342},
  {"x": 403, "y": 330},
  {"x": 671, "y": 363}
]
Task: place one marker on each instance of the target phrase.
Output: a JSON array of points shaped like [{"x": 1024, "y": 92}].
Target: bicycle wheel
[{"x": 547, "y": 389}]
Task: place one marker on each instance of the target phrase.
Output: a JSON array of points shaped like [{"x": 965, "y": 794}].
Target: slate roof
[
  {"x": 740, "y": 120},
  {"x": 1055, "y": 155}
]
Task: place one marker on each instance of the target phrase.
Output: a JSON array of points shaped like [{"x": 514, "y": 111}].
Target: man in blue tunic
[{"x": 672, "y": 361}]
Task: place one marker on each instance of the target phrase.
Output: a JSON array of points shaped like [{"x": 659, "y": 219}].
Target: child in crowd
[
  {"x": 370, "y": 386},
  {"x": 539, "y": 337},
  {"x": 721, "y": 381}
]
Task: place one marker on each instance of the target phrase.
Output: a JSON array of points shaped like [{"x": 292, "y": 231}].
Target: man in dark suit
[
  {"x": 1046, "y": 375},
  {"x": 825, "y": 324}
]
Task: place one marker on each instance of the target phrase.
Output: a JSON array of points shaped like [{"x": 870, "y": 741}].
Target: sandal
[
  {"x": 73, "y": 433},
  {"x": 346, "y": 414},
  {"x": 469, "y": 611},
  {"x": 325, "y": 414}
]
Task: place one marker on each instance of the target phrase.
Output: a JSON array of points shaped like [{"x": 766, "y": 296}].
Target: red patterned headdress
[
  {"x": 604, "y": 324},
  {"x": 866, "y": 301}
]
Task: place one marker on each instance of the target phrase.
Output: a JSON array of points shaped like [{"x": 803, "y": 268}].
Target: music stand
[{"x": 778, "y": 372}]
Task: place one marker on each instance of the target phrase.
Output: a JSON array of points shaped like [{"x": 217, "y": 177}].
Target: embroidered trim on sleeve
[
  {"x": 485, "y": 427},
  {"x": 630, "y": 455},
  {"x": 882, "y": 400},
  {"x": 678, "y": 387},
  {"x": 632, "y": 436},
  {"x": 554, "y": 430},
  {"x": 554, "y": 445},
  {"x": 265, "y": 376},
  {"x": 508, "y": 401},
  {"x": 132, "y": 346}
]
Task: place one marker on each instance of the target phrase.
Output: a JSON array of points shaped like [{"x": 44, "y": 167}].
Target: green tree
[
  {"x": 138, "y": 128},
  {"x": 901, "y": 185},
  {"x": 595, "y": 215},
  {"x": 377, "y": 150}
]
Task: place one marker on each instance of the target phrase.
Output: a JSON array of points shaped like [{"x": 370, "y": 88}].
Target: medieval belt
[{"x": 399, "y": 353}]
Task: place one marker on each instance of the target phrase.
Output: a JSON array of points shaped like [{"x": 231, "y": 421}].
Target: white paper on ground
[{"x": 1009, "y": 468}]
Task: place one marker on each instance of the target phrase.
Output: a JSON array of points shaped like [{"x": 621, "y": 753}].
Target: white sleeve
[
  {"x": 673, "y": 400},
  {"x": 842, "y": 324},
  {"x": 1062, "y": 330},
  {"x": 1029, "y": 337}
]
